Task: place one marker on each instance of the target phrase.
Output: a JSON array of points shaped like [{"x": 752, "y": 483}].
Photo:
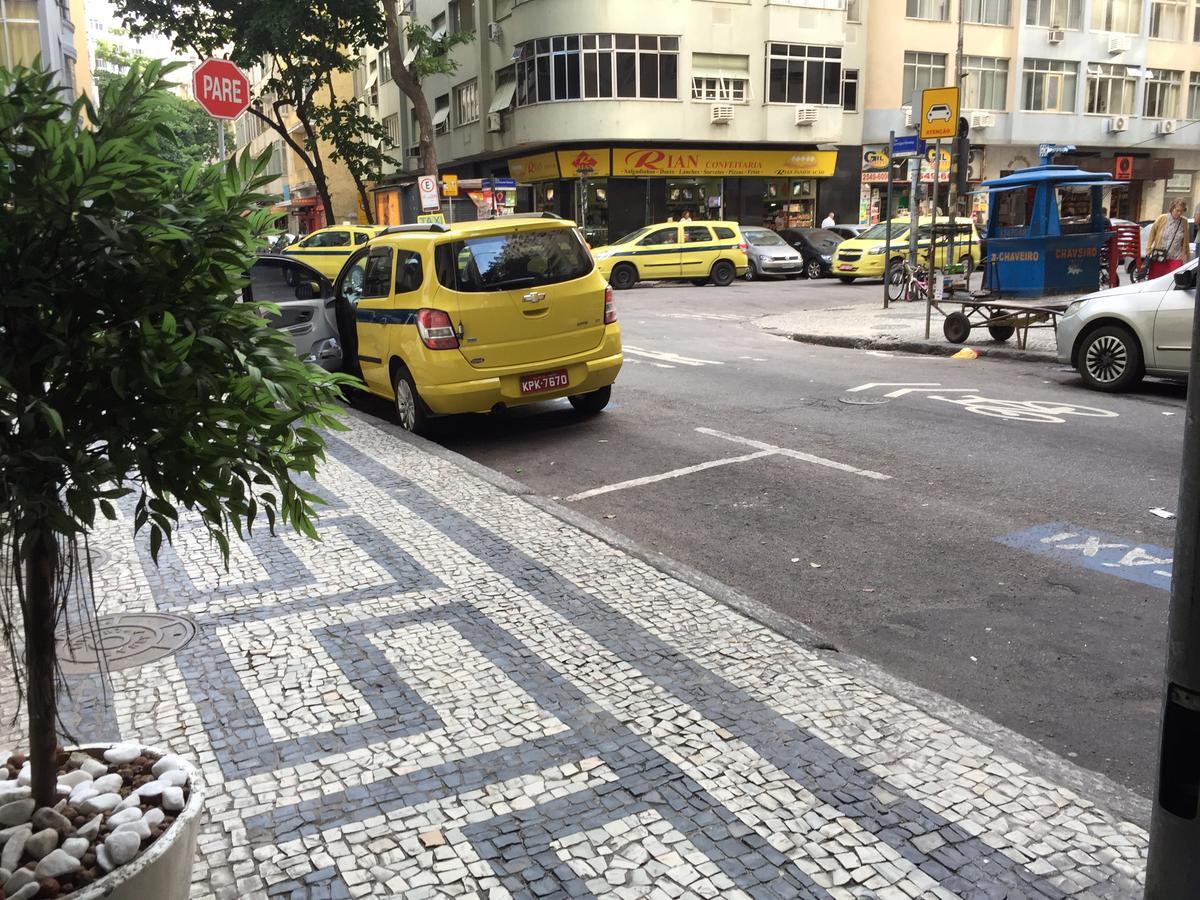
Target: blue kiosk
[{"x": 1045, "y": 231}]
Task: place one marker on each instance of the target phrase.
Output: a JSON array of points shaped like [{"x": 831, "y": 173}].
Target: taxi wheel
[
  {"x": 411, "y": 414},
  {"x": 623, "y": 277},
  {"x": 590, "y": 404},
  {"x": 846, "y": 279},
  {"x": 723, "y": 273}
]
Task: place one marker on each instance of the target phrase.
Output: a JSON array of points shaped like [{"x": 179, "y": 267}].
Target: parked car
[
  {"x": 305, "y": 299},
  {"x": 699, "y": 251},
  {"x": 327, "y": 249},
  {"x": 862, "y": 257},
  {"x": 816, "y": 245},
  {"x": 847, "y": 232},
  {"x": 769, "y": 254},
  {"x": 479, "y": 316},
  {"x": 1115, "y": 337}
]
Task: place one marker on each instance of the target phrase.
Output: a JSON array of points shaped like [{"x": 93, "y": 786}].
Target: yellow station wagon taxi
[
  {"x": 700, "y": 251},
  {"x": 479, "y": 316},
  {"x": 327, "y": 249},
  {"x": 862, "y": 257}
]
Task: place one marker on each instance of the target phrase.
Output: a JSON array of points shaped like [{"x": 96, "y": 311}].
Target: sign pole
[
  {"x": 1173, "y": 867},
  {"x": 933, "y": 211},
  {"x": 912, "y": 209},
  {"x": 220, "y": 140},
  {"x": 887, "y": 220}
]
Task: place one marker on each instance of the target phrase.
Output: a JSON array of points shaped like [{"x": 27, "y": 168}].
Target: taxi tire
[
  {"x": 623, "y": 277},
  {"x": 591, "y": 403},
  {"x": 722, "y": 273},
  {"x": 408, "y": 407},
  {"x": 846, "y": 279}
]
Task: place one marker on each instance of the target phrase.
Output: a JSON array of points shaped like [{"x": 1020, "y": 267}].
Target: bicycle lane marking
[
  {"x": 1099, "y": 551},
  {"x": 1043, "y": 412}
]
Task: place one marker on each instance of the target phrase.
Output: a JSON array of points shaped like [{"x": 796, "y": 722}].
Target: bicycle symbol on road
[{"x": 1041, "y": 411}]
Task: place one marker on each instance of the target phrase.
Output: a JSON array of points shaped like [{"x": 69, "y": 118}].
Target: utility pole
[
  {"x": 953, "y": 204},
  {"x": 1173, "y": 868}
]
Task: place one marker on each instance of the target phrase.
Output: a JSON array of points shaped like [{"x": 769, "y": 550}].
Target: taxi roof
[{"x": 436, "y": 230}]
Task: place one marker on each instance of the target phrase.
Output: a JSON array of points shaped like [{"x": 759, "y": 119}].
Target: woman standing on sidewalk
[{"x": 1169, "y": 241}]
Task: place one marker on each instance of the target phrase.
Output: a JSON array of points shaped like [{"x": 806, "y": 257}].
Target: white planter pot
[{"x": 164, "y": 871}]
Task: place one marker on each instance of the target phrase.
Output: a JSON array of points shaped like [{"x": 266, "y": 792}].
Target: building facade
[{"x": 55, "y": 31}]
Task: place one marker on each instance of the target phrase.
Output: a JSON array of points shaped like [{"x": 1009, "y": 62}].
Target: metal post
[
  {"x": 220, "y": 139},
  {"x": 912, "y": 209},
  {"x": 1173, "y": 868},
  {"x": 937, "y": 174},
  {"x": 958, "y": 81},
  {"x": 887, "y": 219}
]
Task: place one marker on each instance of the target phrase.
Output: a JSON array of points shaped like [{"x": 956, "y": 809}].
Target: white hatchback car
[{"x": 1115, "y": 337}]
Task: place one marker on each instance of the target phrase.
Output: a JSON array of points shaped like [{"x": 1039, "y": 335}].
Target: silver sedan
[
  {"x": 1117, "y": 336},
  {"x": 769, "y": 254}
]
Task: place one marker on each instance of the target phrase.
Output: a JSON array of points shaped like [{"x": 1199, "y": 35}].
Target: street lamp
[{"x": 583, "y": 172}]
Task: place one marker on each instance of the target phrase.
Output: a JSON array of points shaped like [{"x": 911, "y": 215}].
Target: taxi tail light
[
  {"x": 610, "y": 309},
  {"x": 436, "y": 329},
  {"x": 743, "y": 246}
]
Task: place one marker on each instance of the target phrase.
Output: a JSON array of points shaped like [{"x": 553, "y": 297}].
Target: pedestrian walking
[
  {"x": 1169, "y": 241},
  {"x": 829, "y": 221},
  {"x": 687, "y": 216}
]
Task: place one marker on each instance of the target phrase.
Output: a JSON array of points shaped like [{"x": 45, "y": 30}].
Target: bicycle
[{"x": 907, "y": 282}]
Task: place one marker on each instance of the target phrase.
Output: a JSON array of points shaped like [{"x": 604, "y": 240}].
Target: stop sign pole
[{"x": 223, "y": 90}]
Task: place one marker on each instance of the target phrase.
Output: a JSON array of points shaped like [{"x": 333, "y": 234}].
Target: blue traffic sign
[
  {"x": 505, "y": 183},
  {"x": 907, "y": 145}
]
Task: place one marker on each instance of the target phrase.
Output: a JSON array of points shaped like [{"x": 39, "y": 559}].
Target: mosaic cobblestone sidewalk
[{"x": 458, "y": 694}]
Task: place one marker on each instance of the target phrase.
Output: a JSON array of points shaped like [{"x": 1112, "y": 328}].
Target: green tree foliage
[{"x": 130, "y": 369}]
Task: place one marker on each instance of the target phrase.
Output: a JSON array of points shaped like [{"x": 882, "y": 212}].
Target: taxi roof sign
[{"x": 939, "y": 113}]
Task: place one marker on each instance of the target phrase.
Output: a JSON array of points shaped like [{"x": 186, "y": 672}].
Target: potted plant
[{"x": 129, "y": 368}]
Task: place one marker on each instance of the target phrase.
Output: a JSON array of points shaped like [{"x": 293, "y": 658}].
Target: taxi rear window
[
  {"x": 502, "y": 262},
  {"x": 723, "y": 233}
]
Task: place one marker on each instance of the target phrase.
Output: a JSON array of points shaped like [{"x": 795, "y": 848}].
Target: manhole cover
[
  {"x": 862, "y": 400},
  {"x": 124, "y": 640},
  {"x": 100, "y": 558}
]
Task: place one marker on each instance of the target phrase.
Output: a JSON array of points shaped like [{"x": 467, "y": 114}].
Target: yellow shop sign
[
  {"x": 540, "y": 167},
  {"x": 731, "y": 162}
]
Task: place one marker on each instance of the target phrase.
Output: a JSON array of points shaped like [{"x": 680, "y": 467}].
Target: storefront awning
[
  {"x": 298, "y": 202},
  {"x": 505, "y": 92}
]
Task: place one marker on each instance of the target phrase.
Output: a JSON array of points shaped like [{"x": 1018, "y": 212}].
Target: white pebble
[
  {"x": 172, "y": 799},
  {"x": 76, "y": 846},
  {"x": 122, "y": 846},
  {"x": 25, "y": 776},
  {"x": 125, "y": 815},
  {"x": 154, "y": 816},
  {"x": 57, "y": 864},
  {"x": 122, "y": 754},
  {"x": 174, "y": 778},
  {"x": 107, "y": 784},
  {"x": 82, "y": 793},
  {"x": 16, "y": 813},
  {"x": 140, "y": 828},
  {"x": 74, "y": 779},
  {"x": 94, "y": 767},
  {"x": 90, "y": 829},
  {"x": 102, "y": 858},
  {"x": 129, "y": 803},
  {"x": 39, "y": 845},
  {"x": 99, "y": 803},
  {"x": 13, "y": 794},
  {"x": 151, "y": 789},
  {"x": 28, "y": 892},
  {"x": 169, "y": 763}
]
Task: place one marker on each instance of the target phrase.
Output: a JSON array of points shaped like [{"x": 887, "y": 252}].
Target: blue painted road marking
[{"x": 1097, "y": 550}]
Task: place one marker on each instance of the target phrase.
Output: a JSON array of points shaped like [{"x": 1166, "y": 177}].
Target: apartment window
[
  {"x": 987, "y": 12},
  {"x": 1049, "y": 85},
  {"x": 462, "y": 15},
  {"x": 803, "y": 73},
  {"x": 391, "y": 124},
  {"x": 441, "y": 114},
  {"x": 853, "y": 10},
  {"x": 986, "y": 84},
  {"x": 385, "y": 66},
  {"x": 275, "y": 164},
  {"x": 1196, "y": 24},
  {"x": 466, "y": 102},
  {"x": 718, "y": 76},
  {"x": 928, "y": 9},
  {"x": 850, "y": 90},
  {"x": 20, "y": 37},
  {"x": 571, "y": 67},
  {"x": 1110, "y": 89},
  {"x": 437, "y": 27},
  {"x": 1163, "y": 89},
  {"x": 922, "y": 70},
  {"x": 1168, "y": 19},
  {"x": 1117, "y": 15},
  {"x": 1193, "y": 110},
  {"x": 1053, "y": 13}
]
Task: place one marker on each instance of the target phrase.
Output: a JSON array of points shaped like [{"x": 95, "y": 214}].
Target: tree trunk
[
  {"x": 41, "y": 564},
  {"x": 366, "y": 201},
  {"x": 312, "y": 163},
  {"x": 411, "y": 88}
]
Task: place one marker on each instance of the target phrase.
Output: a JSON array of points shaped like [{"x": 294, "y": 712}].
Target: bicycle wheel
[{"x": 897, "y": 283}]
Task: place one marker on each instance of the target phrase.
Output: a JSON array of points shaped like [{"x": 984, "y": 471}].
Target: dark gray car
[{"x": 769, "y": 254}]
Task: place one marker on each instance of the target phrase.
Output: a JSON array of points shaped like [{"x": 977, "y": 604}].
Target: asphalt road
[{"x": 906, "y": 570}]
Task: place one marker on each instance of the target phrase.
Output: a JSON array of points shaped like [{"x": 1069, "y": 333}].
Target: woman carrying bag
[{"x": 1169, "y": 241}]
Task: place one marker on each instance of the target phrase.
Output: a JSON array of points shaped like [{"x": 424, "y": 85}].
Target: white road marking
[
  {"x": 911, "y": 387},
  {"x": 795, "y": 454},
  {"x": 670, "y": 357},
  {"x": 655, "y": 364},
  {"x": 753, "y": 358},
  {"x": 894, "y": 384},
  {"x": 674, "y": 473},
  {"x": 713, "y": 316}
]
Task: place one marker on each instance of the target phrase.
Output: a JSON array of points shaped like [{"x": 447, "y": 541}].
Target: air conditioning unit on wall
[
  {"x": 806, "y": 115},
  {"x": 1119, "y": 43},
  {"x": 495, "y": 123},
  {"x": 721, "y": 114},
  {"x": 1118, "y": 123},
  {"x": 1167, "y": 126},
  {"x": 982, "y": 120},
  {"x": 1056, "y": 35},
  {"x": 494, "y": 32}
]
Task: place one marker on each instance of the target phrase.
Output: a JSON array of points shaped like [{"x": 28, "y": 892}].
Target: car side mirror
[{"x": 1185, "y": 280}]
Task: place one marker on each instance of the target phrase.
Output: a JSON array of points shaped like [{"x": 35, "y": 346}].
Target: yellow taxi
[
  {"x": 699, "y": 251},
  {"x": 479, "y": 316},
  {"x": 327, "y": 249},
  {"x": 862, "y": 257}
]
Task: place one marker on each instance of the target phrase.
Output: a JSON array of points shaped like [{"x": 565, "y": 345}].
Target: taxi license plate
[
  {"x": 845, "y": 267},
  {"x": 544, "y": 381}
]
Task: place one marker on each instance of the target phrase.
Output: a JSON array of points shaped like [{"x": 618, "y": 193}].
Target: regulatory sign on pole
[
  {"x": 939, "y": 113},
  {"x": 427, "y": 185},
  {"x": 450, "y": 185},
  {"x": 221, "y": 88},
  {"x": 908, "y": 145}
]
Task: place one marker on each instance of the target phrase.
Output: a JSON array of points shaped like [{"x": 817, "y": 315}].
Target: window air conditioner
[
  {"x": 1056, "y": 35},
  {"x": 494, "y": 32},
  {"x": 806, "y": 115},
  {"x": 413, "y": 152},
  {"x": 908, "y": 116},
  {"x": 982, "y": 120},
  {"x": 495, "y": 123},
  {"x": 1118, "y": 123},
  {"x": 1119, "y": 43},
  {"x": 722, "y": 114},
  {"x": 1167, "y": 126}
]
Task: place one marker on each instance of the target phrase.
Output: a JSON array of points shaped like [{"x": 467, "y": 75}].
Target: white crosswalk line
[{"x": 670, "y": 357}]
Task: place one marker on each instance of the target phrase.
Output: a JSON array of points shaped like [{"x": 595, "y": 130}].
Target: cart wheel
[
  {"x": 957, "y": 328},
  {"x": 1000, "y": 332}
]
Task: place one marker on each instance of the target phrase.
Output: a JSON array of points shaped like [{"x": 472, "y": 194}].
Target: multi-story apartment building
[
  {"x": 620, "y": 113},
  {"x": 1112, "y": 77},
  {"x": 55, "y": 30}
]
